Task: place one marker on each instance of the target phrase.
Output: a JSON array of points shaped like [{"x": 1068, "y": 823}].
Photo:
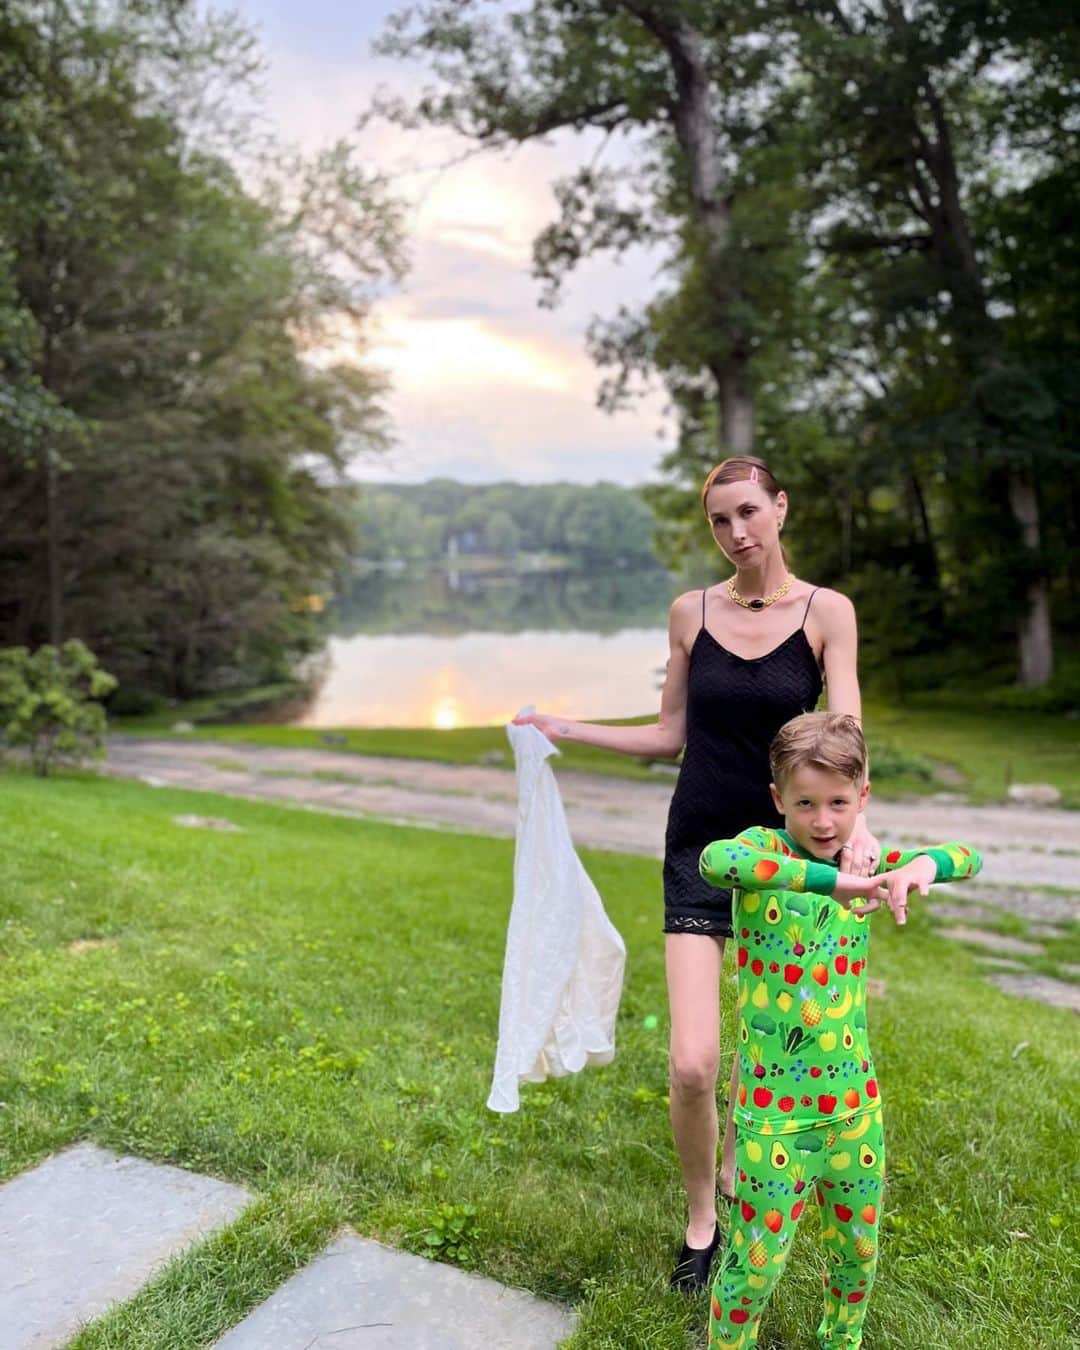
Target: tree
[
  {"x": 830, "y": 179},
  {"x": 180, "y": 454},
  {"x": 501, "y": 535},
  {"x": 50, "y": 701},
  {"x": 911, "y": 106},
  {"x": 666, "y": 70}
]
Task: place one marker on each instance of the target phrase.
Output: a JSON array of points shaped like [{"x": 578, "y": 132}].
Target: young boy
[{"x": 808, "y": 1115}]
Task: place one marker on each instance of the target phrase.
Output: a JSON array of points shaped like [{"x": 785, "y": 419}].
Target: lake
[{"x": 465, "y": 649}]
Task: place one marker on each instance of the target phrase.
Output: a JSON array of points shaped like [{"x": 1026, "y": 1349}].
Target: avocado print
[
  {"x": 867, "y": 1156},
  {"x": 778, "y": 1155},
  {"x": 773, "y": 912},
  {"x": 847, "y": 1040}
]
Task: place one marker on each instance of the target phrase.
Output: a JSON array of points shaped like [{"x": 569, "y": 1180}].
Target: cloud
[{"x": 486, "y": 384}]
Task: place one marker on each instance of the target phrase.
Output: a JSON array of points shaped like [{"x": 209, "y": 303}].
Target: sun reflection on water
[{"x": 446, "y": 714}]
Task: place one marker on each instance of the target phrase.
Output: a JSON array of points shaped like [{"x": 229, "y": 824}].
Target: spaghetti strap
[
  {"x": 806, "y": 611},
  {"x": 703, "y": 594}
]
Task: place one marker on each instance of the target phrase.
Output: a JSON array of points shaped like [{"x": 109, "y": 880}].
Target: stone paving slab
[
  {"x": 86, "y": 1229},
  {"x": 360, "y": 1295},
  {"x": 995, "y": 942},
  {"x": 1044, "y": 906},
  {"x": 1043, "y": 988},
  {"x": 947, "y": 909}
]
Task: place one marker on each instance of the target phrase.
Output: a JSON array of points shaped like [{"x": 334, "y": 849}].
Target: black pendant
[{"x": 757, "y": 604}]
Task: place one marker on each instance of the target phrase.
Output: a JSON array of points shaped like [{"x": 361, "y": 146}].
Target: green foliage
[
  {"x": 173, "y": 465},
  {"x": 599, "y": 525},
  {"x": 50, "y": 701},
  {"x": 452, "y": 1234}
]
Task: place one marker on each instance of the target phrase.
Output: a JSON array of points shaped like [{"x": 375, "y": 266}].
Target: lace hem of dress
[{"x": 695, "y": 923}]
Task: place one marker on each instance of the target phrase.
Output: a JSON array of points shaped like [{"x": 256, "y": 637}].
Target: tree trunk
[
  {"x": 52, "y": 547},
  {"x": 1035, "y": 636},
  {"x": 736, "y": 400},
  {"x": 980, "y": 347},
  {"x": 695, "y": 131}
]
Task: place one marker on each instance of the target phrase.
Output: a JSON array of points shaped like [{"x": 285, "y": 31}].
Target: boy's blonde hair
[{"x": 821, "y": 740}]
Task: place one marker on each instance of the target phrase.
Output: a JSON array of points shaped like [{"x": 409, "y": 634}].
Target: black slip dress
[{"x": 734, "y": 707}]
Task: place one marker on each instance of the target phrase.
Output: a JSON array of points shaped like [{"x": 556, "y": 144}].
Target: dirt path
[{"x": 1024, "y": 848}]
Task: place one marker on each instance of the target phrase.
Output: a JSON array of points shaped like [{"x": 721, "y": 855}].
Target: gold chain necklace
[{"x": 759, "y": 602}]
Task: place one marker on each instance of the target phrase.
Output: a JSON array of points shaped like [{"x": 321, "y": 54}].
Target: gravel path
[{"x": 1023, "y": 847}]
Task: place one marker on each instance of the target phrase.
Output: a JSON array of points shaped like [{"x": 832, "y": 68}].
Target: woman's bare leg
[{"x": 693, "y": 975}]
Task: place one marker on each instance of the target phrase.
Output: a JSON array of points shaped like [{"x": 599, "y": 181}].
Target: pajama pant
[{"x": 841, "y": 1165}]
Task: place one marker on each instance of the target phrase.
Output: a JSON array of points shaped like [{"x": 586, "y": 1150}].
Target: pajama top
[{"x": 804, "y": 1056}]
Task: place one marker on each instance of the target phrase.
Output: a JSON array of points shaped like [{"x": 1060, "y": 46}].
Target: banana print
[
  {"x": 844, "y": 1007},
  {"x": 859, "y": 1130}
]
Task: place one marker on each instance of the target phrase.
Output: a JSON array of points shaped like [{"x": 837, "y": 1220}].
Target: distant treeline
[{"x": 602, "y": 525}]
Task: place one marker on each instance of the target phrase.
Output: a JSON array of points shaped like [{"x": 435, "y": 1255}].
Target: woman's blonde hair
[
  {"x": 740, "y": 469},
  {"x": 819, "y": 740}
]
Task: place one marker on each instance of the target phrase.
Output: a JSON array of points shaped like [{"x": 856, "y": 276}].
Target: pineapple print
[
  {"x": 811, "y": 1009},
  {"x": 864, "y": 1246},
  {"x": 756, "y": 1253}
]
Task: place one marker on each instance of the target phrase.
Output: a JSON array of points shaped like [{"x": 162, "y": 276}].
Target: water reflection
[
  {"x": 422, "y": 651},
  {"x": 465, "y": 602}
]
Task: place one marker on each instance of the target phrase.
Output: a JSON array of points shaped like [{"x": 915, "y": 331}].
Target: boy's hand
[
  {"x": 897, "y": 885},
  {"x": 850, "y": 887}
]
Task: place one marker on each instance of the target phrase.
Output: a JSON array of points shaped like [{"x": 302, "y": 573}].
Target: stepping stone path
[
  {"x": 85, "y": 1230},
  {"x": 1042, "y": 987},
  {"x": 993, "y": 942},
  {"x": 360, "y": 1295},
  {"x": 1047, "y": 916}
]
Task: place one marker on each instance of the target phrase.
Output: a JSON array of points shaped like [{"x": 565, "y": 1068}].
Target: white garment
[{"x": 563, "y": 971}]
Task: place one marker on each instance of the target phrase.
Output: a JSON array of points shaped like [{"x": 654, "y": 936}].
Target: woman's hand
[
  {"x": 554, "y": 728},
  {"x": 862, "y": 852}
]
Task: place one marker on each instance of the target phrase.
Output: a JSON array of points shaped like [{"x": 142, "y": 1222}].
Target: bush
[{"x": 48, "y": 701}]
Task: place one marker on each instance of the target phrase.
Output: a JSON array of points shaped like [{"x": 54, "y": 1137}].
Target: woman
[{"x": 745, "y": 657}]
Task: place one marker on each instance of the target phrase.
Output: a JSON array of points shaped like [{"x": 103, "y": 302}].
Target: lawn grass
[
  {"x": 990, "y": 749},
  {"x": 914, "y": 750},
  {"x": 308, "y": 1008}
]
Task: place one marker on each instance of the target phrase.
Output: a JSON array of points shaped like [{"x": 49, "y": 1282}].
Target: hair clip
[{"x": 753, "y": 474}]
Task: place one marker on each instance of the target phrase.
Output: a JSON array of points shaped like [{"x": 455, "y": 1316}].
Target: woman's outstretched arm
[{"x": 662, "y": 739}]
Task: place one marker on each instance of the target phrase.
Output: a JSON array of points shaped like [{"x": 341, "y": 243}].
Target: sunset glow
[{"x": 423, "y": 353}]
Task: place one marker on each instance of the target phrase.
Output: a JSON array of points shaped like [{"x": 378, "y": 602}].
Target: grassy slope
[{"x": 309, "y": 1007}]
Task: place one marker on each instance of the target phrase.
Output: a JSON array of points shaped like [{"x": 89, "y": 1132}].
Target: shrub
[{"x": 49, "y": 702}]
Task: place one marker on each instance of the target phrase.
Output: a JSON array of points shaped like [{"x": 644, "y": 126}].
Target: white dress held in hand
[{"x": 563, "y": 971}]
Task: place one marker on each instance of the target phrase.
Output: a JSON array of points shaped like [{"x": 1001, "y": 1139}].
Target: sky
[{"x": 485, "y": 384}]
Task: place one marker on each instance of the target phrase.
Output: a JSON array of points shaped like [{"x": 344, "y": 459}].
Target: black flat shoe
[{"x": 692, "y": 1271}]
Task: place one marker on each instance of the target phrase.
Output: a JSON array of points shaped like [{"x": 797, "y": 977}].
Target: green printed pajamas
[
  {"x": 841, "y": 1170},
  {"x": 808, "y": 1110}
]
